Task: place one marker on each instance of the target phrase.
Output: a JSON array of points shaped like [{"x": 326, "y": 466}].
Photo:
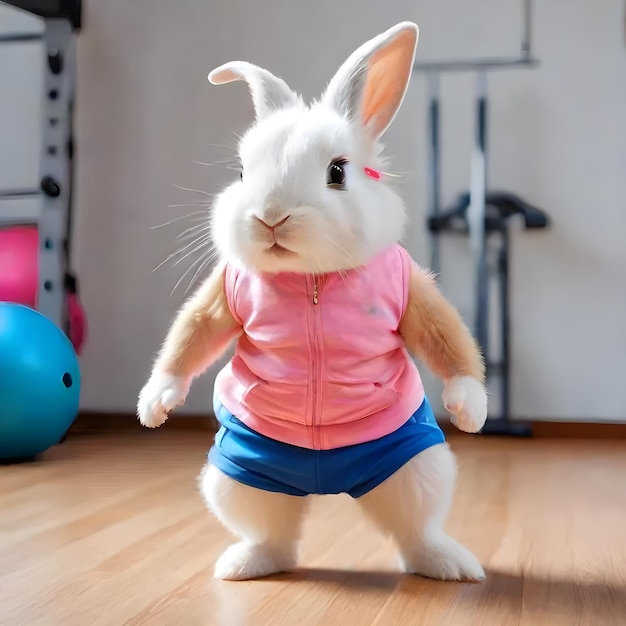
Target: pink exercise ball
[
  {"x": 18, "y": 260},
  {"x": 19, "y": 273}
]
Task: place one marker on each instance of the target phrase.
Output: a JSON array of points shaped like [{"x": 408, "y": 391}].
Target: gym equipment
[
  {"x": 482, "y": 215},
  {"x": 56, "y": 287},
  {"x": 40, "y": 383}
]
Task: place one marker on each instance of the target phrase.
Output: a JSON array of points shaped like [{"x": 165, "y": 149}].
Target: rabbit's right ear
[
  {"x": 269, "y": 92},
  {"x": 370, "y": 86}
]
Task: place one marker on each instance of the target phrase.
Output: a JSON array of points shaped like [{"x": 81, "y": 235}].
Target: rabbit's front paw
[
  {"x": 158, "y": 397},
  {"x": 466, "y": 399}
]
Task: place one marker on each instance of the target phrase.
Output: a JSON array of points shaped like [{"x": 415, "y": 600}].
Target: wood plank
[{"x": 109, "y": 529}]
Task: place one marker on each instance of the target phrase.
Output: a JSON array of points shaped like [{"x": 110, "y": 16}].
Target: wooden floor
[{"x": 109, "y": 530}]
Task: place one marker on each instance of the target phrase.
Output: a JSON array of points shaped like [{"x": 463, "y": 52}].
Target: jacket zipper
[{"x": 316, "y": 365}]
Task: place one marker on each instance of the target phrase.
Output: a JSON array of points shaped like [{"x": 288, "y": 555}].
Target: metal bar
[
  {"x": 71, "y": 155},
  {"x": 505, "y": 321},
  {"x": 527, "y": 29},
  {"x": 476, "y": 216},
  {"x": 500, "y": 427},
  {"x": 468, "y": 65},
  {"x": 55, "y": 167},
  {"x": 12, "y": 194},
  {"x": 20, "y": 37},
  {"x": 12, "y": 221},
  {"x": 68, "y": 10},
  {"x": 434, "y": 162}
]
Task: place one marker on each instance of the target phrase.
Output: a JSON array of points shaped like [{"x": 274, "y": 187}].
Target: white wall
[{"x": 557, "y": 137}]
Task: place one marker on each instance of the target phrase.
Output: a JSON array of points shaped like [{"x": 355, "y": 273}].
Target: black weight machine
[
  {"x": 483, "y": 215},
  {"x": 62, "y": 21}
]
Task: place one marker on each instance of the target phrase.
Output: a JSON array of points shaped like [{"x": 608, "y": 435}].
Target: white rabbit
[{"x": 325, "y": 307}]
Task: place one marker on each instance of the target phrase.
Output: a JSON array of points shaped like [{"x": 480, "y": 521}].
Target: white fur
[
  {"x": 269, "y": 93},
  {"x": 268, "y": 525},
  {"x": 411, "y": 506},
  {"x": 160, "y": 395},
  {"x": 285, "y": 158},
  {"x": 466, "y": 399}
]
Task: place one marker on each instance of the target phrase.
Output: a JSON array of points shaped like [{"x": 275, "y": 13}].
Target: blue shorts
[{"x": 264, "y": 463}]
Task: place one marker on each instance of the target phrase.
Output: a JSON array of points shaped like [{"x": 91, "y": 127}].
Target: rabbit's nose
[{"x": 273, "y": 226}]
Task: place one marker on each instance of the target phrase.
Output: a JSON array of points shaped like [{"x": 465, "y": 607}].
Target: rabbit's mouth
[{"x": 278, "y": 250}]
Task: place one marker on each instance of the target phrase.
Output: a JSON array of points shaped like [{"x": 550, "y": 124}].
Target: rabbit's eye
[
  {"x": 241, "y": 173},
  {"x": 336, "y": 173}
]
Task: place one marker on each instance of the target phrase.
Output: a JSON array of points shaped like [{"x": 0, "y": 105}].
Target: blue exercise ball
[{"x": 39, "y": 383}]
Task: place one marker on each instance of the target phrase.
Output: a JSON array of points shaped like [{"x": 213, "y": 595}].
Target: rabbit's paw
[
  {"x": 442, "y": 558},
  {"x": 158, "y": 397},
  {"x": 466, "y": 399},
  {"x": 246, "y": 561}
]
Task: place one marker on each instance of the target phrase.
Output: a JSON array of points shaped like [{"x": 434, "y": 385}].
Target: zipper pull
[{"x": 315, "y": 299}]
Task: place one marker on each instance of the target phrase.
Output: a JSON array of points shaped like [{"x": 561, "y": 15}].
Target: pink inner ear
[
  {"x": 388, "y": 75},
  {"x": 225, "y": 76}
]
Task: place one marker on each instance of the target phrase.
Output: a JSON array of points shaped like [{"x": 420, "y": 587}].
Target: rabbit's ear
[
  {"x": 370, "y": 86},
  {"x": 269, "y": 92}
]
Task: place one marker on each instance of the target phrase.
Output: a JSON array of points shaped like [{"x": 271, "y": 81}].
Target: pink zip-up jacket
[{"x": 320, "y": 363}]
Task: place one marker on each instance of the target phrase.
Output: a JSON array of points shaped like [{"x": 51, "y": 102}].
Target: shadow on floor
[{"x": 543, "y": 600}]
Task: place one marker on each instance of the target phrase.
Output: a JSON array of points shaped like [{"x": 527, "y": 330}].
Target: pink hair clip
[{"x": 372, "y": 173}]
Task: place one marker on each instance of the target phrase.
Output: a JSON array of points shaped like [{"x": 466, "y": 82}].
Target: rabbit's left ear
[
  {"x": 269, "y": 93},
  {"x": 370, "y": 86}
]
